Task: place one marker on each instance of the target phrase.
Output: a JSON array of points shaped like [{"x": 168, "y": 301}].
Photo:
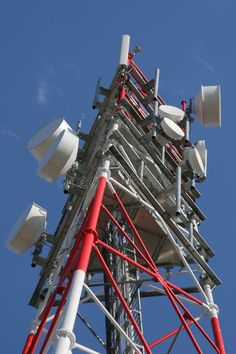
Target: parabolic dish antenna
[
  {"x": 28, "y": 229},
  {"x": 195, "y": 161},
  {"x": 60, "y": 156},
  {"x": 171, "y": 112},
  {"x": 171, "y": 129},
  {"x": 201, "y": 148},
  {"x": 46, "y": 136},
  {"x": 207, "y": 106}
]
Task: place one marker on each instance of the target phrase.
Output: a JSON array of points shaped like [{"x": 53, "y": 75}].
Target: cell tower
[{"x": 129, "y": 228}]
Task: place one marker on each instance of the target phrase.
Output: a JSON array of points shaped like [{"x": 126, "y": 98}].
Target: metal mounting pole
[
  {"x": 155, "y": 95},
  {"x": 163, "y": 153},
  {"x": 96, "y": 92},
  {"x": 156, "y": 86},
  {"x": 187, "y": 122},
  {"x": 178, "y": 190},
  {"x": 187, "y": 129}
]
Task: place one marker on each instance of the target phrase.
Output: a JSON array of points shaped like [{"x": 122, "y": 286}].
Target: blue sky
[{"x": 51, "y": 55}]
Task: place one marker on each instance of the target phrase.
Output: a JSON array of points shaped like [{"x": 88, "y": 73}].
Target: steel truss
[{"x": 128, "y": 230}]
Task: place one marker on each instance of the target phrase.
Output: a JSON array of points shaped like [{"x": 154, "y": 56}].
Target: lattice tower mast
[{"x": 129, "y": 229}]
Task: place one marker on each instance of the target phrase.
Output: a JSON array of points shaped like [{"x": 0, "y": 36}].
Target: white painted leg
[{"x": 66, "y": 338}]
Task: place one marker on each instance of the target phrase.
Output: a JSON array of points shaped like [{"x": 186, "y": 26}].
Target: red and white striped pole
[
  {"x": 214, "y": 320},
  {"x": 66, "y": 337}
]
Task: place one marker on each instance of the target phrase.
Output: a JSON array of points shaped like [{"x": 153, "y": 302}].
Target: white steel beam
[{"x": 109, "y": 316}]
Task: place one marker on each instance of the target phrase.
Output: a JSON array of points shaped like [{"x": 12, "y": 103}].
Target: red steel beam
[
  {"x": 189, "y": 315},
  {"x": 170, "y": 294},
  {"x": 191, "y": 297},
  {"x": 217, "y": 334},
  {"x": 168, "y": 335},
  {"x": 57, "y": 314},
  {"x": 122, "y": 300},
  {"x": 88, "y": 228},
  {"x": 181, "y": 317},
  {"x": 126, "y": 236},
  {"x": 134, "y": 230},
  {"x": 28, "y": 343}
]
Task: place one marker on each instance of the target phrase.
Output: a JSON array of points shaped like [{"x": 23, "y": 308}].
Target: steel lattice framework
[{"x": 130, "y": 229}]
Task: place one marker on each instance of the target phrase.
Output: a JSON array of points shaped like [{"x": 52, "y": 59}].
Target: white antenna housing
[
  {"x": 45, "y": 137},
  {"x": 60, "y": 156},
  {"x": 207, "y": 106},
  {"x": 192, "y": 155},
  {"x": 171, "y": 112},
  {"x": 28, "y": 229},
  {"x": 201, "y": 148},
  {"x": 124, "y": 50},
  {"x": 171, "y": 129}
]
